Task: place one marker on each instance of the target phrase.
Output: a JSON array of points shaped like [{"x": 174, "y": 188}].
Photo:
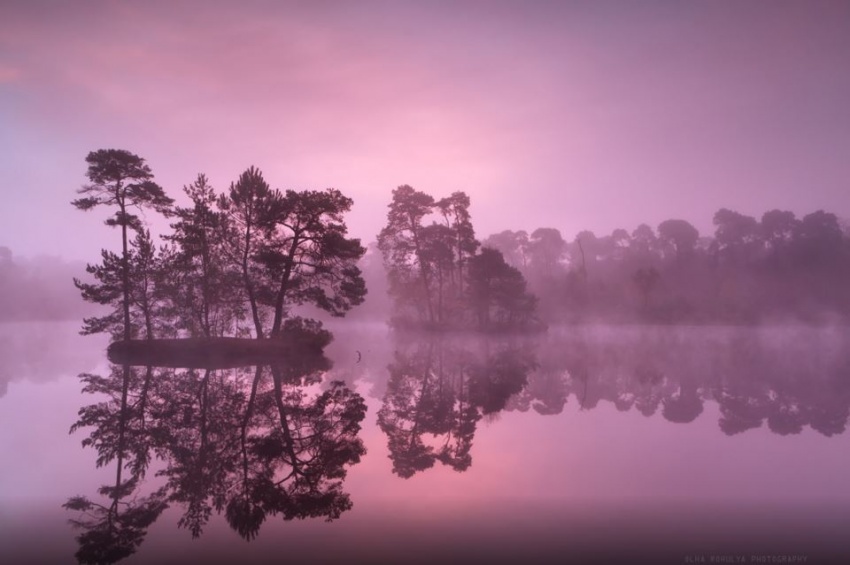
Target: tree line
[
  {"x": 235, "y": 263},
  {"x": 774, "y": 269},
  {"x": 777, "y": 268},
  {"x": 238, "y": 262}
]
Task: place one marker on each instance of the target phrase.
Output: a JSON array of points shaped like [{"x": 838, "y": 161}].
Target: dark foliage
[
  {"x": 436, "y": 279},
  {"x": 778, "y": 269}
]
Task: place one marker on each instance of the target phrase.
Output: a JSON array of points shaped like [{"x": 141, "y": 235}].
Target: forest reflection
[
  {"x": 786, "y": 379},
  {"x": 438, "y": 390},
  {"x": 249, "y": 443},
  {"x": 276, "y": 441}
]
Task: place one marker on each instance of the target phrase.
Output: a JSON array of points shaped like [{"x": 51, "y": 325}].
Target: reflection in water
[
  {"x": 23, "y": 355},
  {"x": 114, "y": 529},
  {"x": 249, "y": 443},
  {"x": 276, "y": 441},
  {"x": 436, "y": 395},
  {"x": 438, "y": 391},
  {"x": 787, "y": 379}
]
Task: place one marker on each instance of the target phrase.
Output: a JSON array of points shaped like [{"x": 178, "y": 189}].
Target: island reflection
[
  {"x": 250, "y": 443},
  {"x": 276, "y": 440},
  {"x": 441, "y": 391},
  {"x": 438, "y": 389}
]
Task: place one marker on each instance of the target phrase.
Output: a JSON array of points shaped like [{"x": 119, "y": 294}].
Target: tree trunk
[
  {"x": 423, "y": 270},
  {"x": 249, "y": 410},
  {"x": 284, "y": 286},
  {"x": 246, "y": 279},
  {"x": 122, "y": 425},
  {"x": 289, "y": 442},
  {"x": 148, "y": 320},
  {"x": 125, "y": 269},
  {"x": 205, "y": 282}
]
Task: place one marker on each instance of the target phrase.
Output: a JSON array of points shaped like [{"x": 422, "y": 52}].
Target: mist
[
  {"x": 40, "y": 288},
  {"x": 425, "y": 282}
]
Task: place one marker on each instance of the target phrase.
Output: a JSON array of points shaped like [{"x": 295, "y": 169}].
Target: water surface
[{"x": 640, "y": 444}]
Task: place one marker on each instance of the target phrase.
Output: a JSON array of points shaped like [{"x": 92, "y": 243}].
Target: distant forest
[{"x": 775, "y": 269}]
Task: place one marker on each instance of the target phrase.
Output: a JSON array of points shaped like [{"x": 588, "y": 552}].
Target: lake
[{"x": 587, "y": 444}]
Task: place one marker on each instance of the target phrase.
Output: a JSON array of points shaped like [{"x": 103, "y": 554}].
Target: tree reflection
[
  {"x": 294, "y": 462},
  {"x": 684, "y": 405},
  {"x": 784, "y": 380},
  {"x": 114, "y": 529},
  {"x": 270, "y": 441},
  {"x": 197, "y": 415},
  {"x": 787, "y": 381},
  {"x": 247, "y": 443},
  {"x": 436, "y": 395}
]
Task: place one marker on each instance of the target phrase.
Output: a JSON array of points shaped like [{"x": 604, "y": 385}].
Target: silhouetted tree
[
  {"x": 498, "y": 293},
  {"x": 144, "y": 300},
  {"x": 145, "y": 272},
  {"x": 680, "y": 234},
  {"x": 121, "y": 180},
  {"x": 818, "y": 239},
  {"x": 400, "y": 242},
  {"x": 546, "y": 247},
  {"x": 204, "y": 288},
  {"x": 777, "y": 228},
  {"x": 620, "y": 241},
  {"x": 429, "y": 267},
  {"x": 245, "y": 206},
  {"x": 644, "y": 241},
  {"x": 108, "y": 291},
  {"x": 438, "y": 253},
  {"x": 737, "y": 235},
  {"x": 307, "y": 256},
  {"x": 456, "y": 217}
]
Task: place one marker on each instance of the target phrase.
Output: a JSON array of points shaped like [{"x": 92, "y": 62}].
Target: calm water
[{"x": 639, "y": 445}]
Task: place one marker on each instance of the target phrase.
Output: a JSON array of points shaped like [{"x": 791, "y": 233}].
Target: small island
[
  {"x": 219, "y": 293},
  {"x": 223, "y": 289},
  {"x": 300, "y": 339}
]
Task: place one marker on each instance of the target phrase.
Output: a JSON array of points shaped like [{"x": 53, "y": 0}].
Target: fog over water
[
  {"x": 592, "y": 443},
  {"x": 441, "y": 282}
]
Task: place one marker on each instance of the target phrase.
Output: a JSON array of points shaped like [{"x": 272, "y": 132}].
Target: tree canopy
[
  {"x": 122, "y": 181},
  {"x": 252, "y": 251},
  {"x": 437, "y": 276}
]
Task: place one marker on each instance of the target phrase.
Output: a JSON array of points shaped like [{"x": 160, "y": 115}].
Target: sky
[{"x": 572, "y": 115}]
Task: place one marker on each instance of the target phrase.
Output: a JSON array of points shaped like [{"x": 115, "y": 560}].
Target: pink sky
[{"x": 584, "y": 115}]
